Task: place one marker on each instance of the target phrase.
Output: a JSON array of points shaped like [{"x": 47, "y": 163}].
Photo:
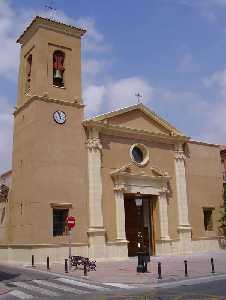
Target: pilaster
[
  {"x": 120, "y": 211},
  {"x": 181, "y": 187},
  {"x": 163, "y": 216},
  {"x": 184, "y": 228},
  {"x": 96, "y": 232}
]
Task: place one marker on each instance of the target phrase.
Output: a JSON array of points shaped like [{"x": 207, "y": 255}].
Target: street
[{"x": 27, "y": 283}]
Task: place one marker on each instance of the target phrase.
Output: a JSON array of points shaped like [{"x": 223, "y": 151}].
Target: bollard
[
  {"x": 47, "y": 262},
  {"x": 212, "y": 265},
  {"x": 66, "y": 265},
  {"x": 160, "y": 270},
  {"x": 85, "y": 268},
  {"x": 185, "y": 268},
  {"x": 32, "y": 260}
]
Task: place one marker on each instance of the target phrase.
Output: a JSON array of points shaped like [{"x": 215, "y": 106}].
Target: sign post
[{"x": 71, "y": 224}]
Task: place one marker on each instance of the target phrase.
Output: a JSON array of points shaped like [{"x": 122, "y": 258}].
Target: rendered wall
[{"x": 204, "y": 181}]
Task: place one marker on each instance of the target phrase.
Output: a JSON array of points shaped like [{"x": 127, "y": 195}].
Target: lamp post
[{"x": 140, "y": 254}]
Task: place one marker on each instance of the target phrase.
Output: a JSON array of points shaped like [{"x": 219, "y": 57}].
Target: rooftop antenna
[
  {"x": 52, "y": 11},
  {"x": 139, "y": 96}
]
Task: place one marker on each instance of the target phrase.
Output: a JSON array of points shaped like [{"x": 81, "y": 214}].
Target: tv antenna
[{"x": 52, "y": 11}]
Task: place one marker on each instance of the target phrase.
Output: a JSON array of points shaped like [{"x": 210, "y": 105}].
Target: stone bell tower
[{"x": 49, "y": 151}]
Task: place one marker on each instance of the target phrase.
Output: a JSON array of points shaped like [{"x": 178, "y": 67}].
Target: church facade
[{"x": 95, "y": 169}]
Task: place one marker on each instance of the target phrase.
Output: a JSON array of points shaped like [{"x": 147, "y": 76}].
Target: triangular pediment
[
  {"x": 131, "y": 169},
  {"x": 138, "y": 117}
]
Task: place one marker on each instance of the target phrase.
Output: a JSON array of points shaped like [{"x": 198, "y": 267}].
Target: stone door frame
[{"x": 144, "y": 184}]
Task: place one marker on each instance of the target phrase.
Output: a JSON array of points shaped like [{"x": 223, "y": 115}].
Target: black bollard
[
  {"x": 212, "y": 265},
  {"x": 47, "y": 262},
  {"x": 32, "y": 261},
  {"x": 85, "y": 268},
  {"x": 185, "y": 268},
  {"x": 160, "y": 270},
  {"x": 66, "y": 265}
]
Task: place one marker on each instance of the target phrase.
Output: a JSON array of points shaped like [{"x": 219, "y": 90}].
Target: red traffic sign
[{"x": 70, "y": 222}]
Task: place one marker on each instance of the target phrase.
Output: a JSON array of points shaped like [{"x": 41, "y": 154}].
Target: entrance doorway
[{"x": 132, "y": 223}]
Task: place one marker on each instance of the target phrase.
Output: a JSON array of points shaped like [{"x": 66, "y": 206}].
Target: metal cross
[
  {"x": 139, "y": 96},
  {"x": 51, "y": 10}
]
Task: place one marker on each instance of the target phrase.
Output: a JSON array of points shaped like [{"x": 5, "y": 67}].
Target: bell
[{"x": 57, "y": 74}]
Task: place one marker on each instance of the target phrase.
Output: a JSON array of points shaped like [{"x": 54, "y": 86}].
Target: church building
[{"x": 97, "y": 169}]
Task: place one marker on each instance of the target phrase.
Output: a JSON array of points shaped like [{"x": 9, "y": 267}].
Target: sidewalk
[{"x": 172, "y": 269}]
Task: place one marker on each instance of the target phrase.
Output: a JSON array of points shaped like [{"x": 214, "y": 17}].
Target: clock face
[{"x": 59, "y": 117}]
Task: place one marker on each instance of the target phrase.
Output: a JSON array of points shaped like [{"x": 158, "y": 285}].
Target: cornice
[
  {"x": 45, "y": 98},
  {"x": 39, "y": 22},
  {"x": 150, "y": 114},
  {"x": 118, "y": 130}
]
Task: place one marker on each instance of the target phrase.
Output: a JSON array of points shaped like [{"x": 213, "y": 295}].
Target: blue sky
[{"x": 171, "y": 51}]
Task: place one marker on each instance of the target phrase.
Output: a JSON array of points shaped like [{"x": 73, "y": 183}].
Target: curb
[
  {"x": 188, "y": 281},
  {"x": 165, "y": 284}
]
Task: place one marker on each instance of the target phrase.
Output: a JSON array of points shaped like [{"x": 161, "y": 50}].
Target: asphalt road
[{"x": 29, "y": 284}]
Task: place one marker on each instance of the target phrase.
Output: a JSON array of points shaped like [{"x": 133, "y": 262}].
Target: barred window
[
  {"x": 59, "y": 221},
  {"x": 208, "y": 218}
]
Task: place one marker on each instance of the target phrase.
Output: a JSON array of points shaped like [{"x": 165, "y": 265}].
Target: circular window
[{"x": 139, "y": 154}]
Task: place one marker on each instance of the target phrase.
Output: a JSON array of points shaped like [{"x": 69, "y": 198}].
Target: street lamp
[{"x": 140, "y": 253}]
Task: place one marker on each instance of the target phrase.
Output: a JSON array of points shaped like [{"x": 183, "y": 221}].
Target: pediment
[
  {"x": 131, "y": 170},
  {"x": 138, "y": 117}
]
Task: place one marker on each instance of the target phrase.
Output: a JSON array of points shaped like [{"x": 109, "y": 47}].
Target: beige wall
[
  {"x": 50, "y": 166},
  {"x": 115, "y": 154},
  {"x": 137, "y": 119},
  {"x": 204, "y": 182}
]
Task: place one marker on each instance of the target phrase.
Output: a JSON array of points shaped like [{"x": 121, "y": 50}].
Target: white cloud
[
  {"x": 94, "y": 39},
  {"x": 122, "y": 92},
  {"x": 92, "y": 67},
  {"x": 215, "y": 125},
  {"x": 94, "y": 96},
  {"x": 186, "y": 63},
  {"x": 117, "y": 94},
  {"x": 6, "y": 124},
  {"x": 217, "y": 79}
]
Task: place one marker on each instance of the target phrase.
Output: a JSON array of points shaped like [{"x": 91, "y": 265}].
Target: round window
[{"x": 139, "y": 154}]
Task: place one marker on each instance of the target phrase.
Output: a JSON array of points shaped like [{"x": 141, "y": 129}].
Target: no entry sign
[{"x": 70, "y": 222}]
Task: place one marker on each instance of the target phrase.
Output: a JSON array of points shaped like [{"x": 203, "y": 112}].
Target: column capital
[
  {"x": 164, "y": 191},
  {"x": 179, "y": 152},
  {"x": 94, "y": 143},
  {"x": 120, "y": 187}
]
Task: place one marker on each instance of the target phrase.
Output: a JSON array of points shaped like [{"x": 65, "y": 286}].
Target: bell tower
[
  {"x": 50, "y": 62},
  {"x": 49, "y": 179}
]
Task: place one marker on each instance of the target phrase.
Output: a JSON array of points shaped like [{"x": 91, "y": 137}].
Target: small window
[
  {"x": 58, "y": 68},
  {"x": 28, "y": 73},
  {"x": 59, "y": 221},
  {"x": 208, "y": 219}
]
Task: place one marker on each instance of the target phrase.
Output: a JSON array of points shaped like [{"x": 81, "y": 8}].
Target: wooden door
[{"x": 131, "y": 224}]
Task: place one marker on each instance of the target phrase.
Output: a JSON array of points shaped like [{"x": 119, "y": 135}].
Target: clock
[{"x": 59, "y": 117}]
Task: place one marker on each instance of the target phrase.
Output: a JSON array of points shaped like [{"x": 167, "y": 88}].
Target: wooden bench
[{"x": 84, "y": 261}]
